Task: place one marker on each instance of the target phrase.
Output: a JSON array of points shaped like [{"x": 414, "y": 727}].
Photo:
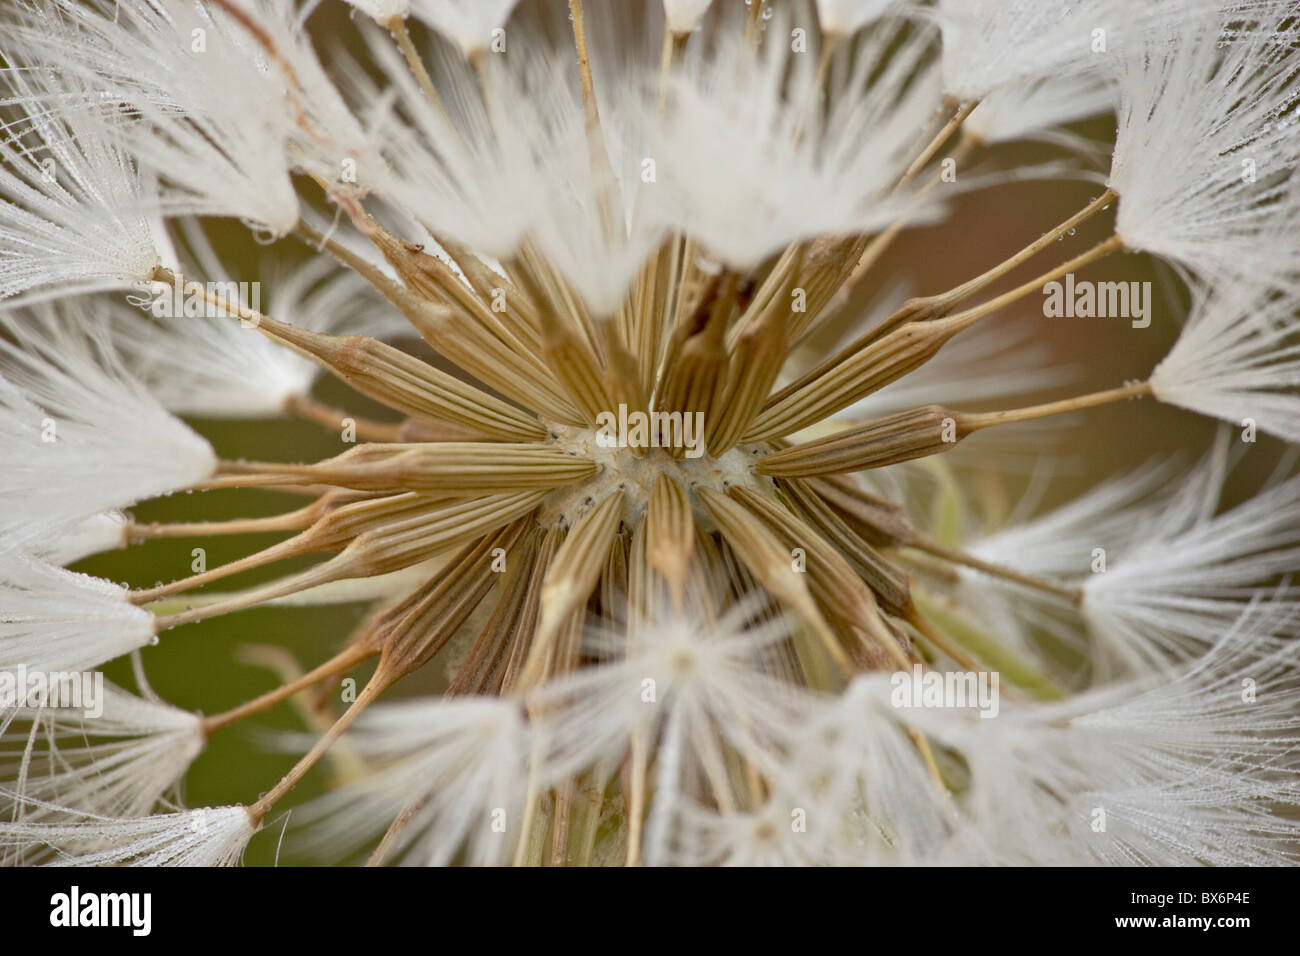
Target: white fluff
[
  {"x": 1237, "y": 359},
  {"x": 1063, "y": 545},
  {"x": 684, "y": 16},
  {"x": 215, "y": 116},
  {"x": 749, "y": 161},
  {"x": 765, "y": 836},
  {"x": 1163, "y": 571},
  {"x": 102, "y": 532},
  {"x": 519, "y": 166},
  {"x": 1206, "y": 142},
  {"x": 1179, "y": 585},
  {"x": 989, "y": 43},
  {"x": 467, "y": 23},
  {"x": 693, "y": 684},
  {"x": 120, "y": 763},
  {"x": 57, "y": 620},
  {"x": 216, "y": 366},
  {"x": 461, "y": 766},
  {"x": 1034, "y": 109},
  {"x": 873, "y": 772},
  {"x": 382, "y": 11},
  {"x": 1197, "y": 769},
  {"x": 844, "y": 17},
  {"x": 83, "y": 436},
  {"x": 74, "y": 211},
  {"x": 1113, "y": 514},
  {"x": 671, "y": 668},
  {"x": 1193, "y": 769},
  {"x": 211, "y": 836}
]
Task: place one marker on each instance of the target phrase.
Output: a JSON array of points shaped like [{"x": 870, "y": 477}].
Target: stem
[
  {"x": 250, "y": 317},
  {"x": 971, "y": 316},
  {"x": 297, "y": 520},
  {"x": 753, "y": 21},
  {"x": 335, "y": 569},
  {"x": 939, "y": 305},
  {"x": 980, "y": 420},
  {"x": 938, "y": 549},
  {"x": 390, "y": 288},
  {"x": 332, "y": 418},
  {"x": 638, "y": 761},
  {"x": 966, "y": 289},
  {"x": 342, "y": 661},
  {"x": 1018, "y": 672},
  {"x": 402, "y": 36},
  {"x": 278, "y": 481},
  {"x": 673, "y": 45},
  {"x": 584, "y": 64},
  {"x": 940, "y": 640},
  {"x": 963, "y": 110},
  {"x": 922, "y": 744},
  {"x": 374, "y": 687},
  {"x": 277, "y": 552},
  {"x": 395, "y": 830}
]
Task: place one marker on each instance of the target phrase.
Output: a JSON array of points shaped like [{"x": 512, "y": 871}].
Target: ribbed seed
[
  {"x": 430, "y": 622},
  {"x": 698, "y": 374},
  {"x": 460, "y": 337},
  {"x": 670, "y": 535},
  {"x": 771, "y": 563},
  {"x": 613, "y": 581},
  {"x": 834, "y": 386},
  {"x": 407, "y": 384},
  {"x": 484, "y": 666},
  {"x": 622, "y": 377},
  {"x": 390, "y": 545},
  {"x": 912, "y": 434},
  {"x": 878, "y": 522},
  {"x": 525, "y": 629},
  {"x": 890, "y": 584},
  {"x": 575, "y": 367},
  {"x": 384, "y": 545},
  {"x": 755, "y": 364},
  {"x": 641, "y": 582},
  {"x": 831, "y": 579},
  {"x": 572, "y": 577},
  {"x": 453, "y": 468}
]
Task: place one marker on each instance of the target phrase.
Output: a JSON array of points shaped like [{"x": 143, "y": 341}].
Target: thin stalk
[
  {"x": 942, "y": 303},
  {"x": 402, "y": 37},
  {"x": 980, "y": 420},
  {"x": 971, "y": 286},
  {"x": 297, "y": 520},
  {"x": 880, "y": 243},
  {"x": 974, "y": 314},
  {"x": 958, "y": 117},
  {"x": 332, "y": 418},
  {"x": 374, "y": 687},
  {"x": 344, "y": 660},
  {"x": 938, "y": 549}
]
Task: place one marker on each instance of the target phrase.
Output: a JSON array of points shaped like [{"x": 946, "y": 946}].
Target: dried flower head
[{"x": 654, "y": 510}]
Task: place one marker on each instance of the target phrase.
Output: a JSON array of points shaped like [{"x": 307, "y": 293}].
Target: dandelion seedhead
[{"x": 639, "y": 493}]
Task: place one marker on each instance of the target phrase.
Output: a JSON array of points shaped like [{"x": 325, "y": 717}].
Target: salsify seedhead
[{"x": 651, "y": 517}]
